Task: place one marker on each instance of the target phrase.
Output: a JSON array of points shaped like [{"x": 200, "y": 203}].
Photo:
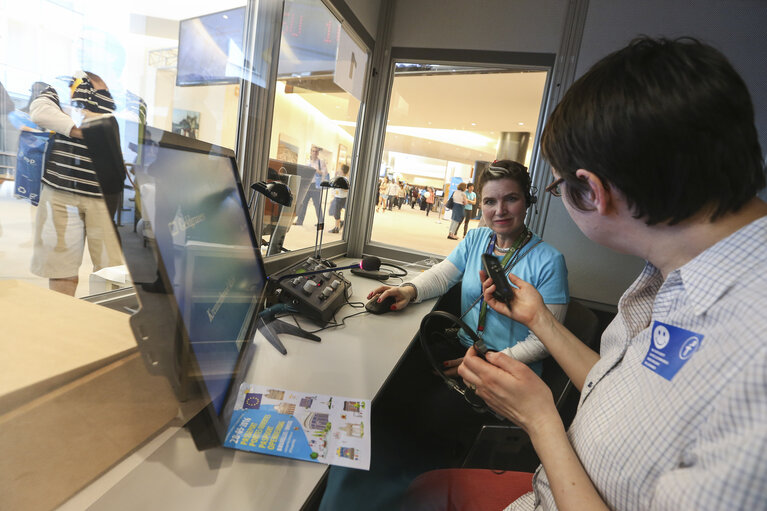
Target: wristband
[{"x": 410, "y": 284}]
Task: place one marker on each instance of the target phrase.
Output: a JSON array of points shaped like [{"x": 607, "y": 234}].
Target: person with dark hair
[
  {"x": 72, "y": 205},
  {"x": 428, "y": 198},
  {"x": 655, "y": 153},
  {"x": 471, "y": 201},
  {"x": 456, "y": 215}
]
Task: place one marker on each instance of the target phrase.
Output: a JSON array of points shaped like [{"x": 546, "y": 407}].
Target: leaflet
[{"x": 304, "y": 426}]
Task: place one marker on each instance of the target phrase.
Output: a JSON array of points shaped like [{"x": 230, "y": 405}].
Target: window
[
  {"x": 174, "y": 65},
  {"x": 445, "y": 124},
  {"x": 320, "y": 84}
]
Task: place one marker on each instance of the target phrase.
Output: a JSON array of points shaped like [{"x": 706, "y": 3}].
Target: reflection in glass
[
  {"x": 203, "y": 245},
  {"x": 317, "y": 102},
  {"x": 135, "y": 49}
]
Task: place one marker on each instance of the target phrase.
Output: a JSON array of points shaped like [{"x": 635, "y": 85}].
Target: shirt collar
[{"x": 718, "y": 268}]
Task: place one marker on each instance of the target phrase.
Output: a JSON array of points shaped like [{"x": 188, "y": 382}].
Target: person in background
[
  {"x": 428, "y": 197},
  {"x": 383, "y": 195},
  {"x": 392, "y": 192},
  {"x": 673, "y": 408},
  {"x": 8, "y": 136},
  {"x": 72, "y": 206},
  {"x": 401, "y": 194},
  {"x": 471, "y": 200},
  {"x": 414, "y": 196},
  {"x": 314, "y": 193},
  {"x": 339, "y": 200},
  {"x": 459, "y": 207}
]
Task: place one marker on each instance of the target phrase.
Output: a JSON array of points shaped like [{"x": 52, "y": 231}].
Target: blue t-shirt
[
  {"x": 543, "y": 267},
  {"x": 470, "y": 196}
]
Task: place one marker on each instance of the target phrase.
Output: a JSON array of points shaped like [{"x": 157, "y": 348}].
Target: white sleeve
[
  {"x": 531, "y": 349},
  {"x": 46, "y": 114},
  {"x": 436, "y": 280}
]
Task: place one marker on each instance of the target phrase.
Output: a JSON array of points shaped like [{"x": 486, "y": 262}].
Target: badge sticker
[{"x": 670, "y": 348}]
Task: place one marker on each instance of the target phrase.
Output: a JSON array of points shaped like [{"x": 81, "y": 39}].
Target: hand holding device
[
  {"x": 503, "y": 290},
  {"x": 481, "y": 348}
]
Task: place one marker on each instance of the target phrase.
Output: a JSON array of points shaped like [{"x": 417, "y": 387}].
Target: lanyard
[{"x": 505, "y": 262}]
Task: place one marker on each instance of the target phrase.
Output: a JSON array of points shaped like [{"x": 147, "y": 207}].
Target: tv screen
[{"x": 210, "y": 48}]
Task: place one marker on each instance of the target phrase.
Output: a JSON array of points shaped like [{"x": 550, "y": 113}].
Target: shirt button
[{"x": 590, "y": 384}]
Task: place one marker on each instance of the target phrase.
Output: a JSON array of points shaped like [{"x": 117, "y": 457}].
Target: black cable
[
  {"x": 403, "y": 270},
  {"x": 336, "y": 324}
]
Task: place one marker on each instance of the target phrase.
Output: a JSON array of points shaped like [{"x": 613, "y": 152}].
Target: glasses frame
[{"x": 553, "y": 188}]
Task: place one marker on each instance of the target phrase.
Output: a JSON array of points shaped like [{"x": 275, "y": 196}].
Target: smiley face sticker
[
  {"x": 671, "y": 348},
  {"x": 660, "y": 336}
]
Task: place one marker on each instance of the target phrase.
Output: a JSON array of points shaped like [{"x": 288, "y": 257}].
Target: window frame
[{"x": 472, "y": 58}]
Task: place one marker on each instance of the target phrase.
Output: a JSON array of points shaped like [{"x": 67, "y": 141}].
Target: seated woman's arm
[
  {"x": 531, "y": 349},
  {"x": 433, "y": 282}
]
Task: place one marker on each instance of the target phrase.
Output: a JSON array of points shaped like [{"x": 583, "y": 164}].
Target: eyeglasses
[{"x": 553, "y": 188}]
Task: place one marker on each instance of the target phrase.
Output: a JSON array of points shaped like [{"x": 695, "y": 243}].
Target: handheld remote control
[{"x": 494, "y": 270}]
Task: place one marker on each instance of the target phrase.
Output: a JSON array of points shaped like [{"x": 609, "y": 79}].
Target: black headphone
[{"x": 424, "y": 334}]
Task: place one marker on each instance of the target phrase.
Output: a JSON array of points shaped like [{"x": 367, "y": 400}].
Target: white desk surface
[{"x": 353, "y": 360}]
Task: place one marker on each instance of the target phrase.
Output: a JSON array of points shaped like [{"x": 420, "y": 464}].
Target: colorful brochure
[{"x": 311, "y": 427}]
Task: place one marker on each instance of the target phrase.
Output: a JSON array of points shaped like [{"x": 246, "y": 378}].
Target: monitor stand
[{"x": 270, "y": 327}]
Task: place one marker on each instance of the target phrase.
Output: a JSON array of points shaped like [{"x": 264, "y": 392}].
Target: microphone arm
[{"x": 367, "y": 263}]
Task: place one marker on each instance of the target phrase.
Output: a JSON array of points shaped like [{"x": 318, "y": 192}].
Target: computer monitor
[{"x": 194, "y": 261}]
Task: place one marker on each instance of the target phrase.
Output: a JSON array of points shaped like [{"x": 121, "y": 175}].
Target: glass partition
[
  {"x": 320, "y": 84},
  {"x": 445, "y": 124},
  {"x": 174, "y": 65}
]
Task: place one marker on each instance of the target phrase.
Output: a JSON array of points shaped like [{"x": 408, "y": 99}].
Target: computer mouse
[{"x": 381, "y": 307}]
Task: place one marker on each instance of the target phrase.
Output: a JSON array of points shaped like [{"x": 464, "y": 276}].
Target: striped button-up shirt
[{"x": 690, "y": 431}]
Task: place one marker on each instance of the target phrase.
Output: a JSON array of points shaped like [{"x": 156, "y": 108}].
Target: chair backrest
[{"x": 584, "y": 324}]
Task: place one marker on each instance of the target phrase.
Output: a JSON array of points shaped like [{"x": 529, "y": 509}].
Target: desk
[{"x": 352, "y": 360}]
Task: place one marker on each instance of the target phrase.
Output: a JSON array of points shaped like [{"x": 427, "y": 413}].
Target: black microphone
[{"x": 368, "y": 263}]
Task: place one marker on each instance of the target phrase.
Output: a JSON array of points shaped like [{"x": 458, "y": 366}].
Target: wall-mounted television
[{"x": 210, "y": 48}]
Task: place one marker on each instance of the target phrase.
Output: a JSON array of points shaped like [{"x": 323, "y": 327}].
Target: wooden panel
[
  {"x": 75, "y": 397},
  {"x": 55, "y": 445},
  {"x": 49, "y": 339}
]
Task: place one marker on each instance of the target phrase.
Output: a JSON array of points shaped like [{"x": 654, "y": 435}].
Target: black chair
[{"x": 507, "y": 447}]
